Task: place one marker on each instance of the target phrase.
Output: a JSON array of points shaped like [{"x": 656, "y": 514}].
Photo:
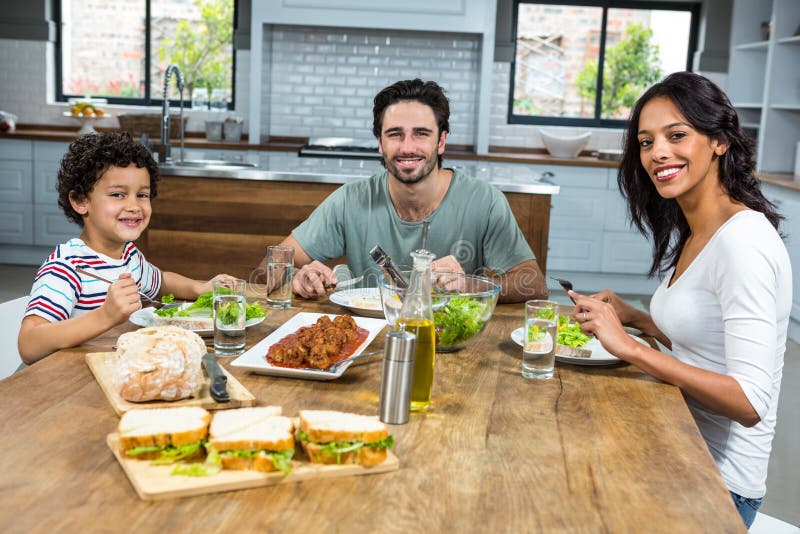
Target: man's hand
[
  {"x": 122, "y": 299},
  {"x": 313, "y": 280},
  {"x": 448, "y": 264}
]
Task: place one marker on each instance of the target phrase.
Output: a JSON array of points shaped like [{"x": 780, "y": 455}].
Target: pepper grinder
[{"x": 397, "y": 376}]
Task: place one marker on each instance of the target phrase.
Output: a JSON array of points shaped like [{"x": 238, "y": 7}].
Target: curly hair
[
  {"x": 429, "y": 93},
  {"x": 706, "y": 107},
  {"x": 89, "y": 157}
]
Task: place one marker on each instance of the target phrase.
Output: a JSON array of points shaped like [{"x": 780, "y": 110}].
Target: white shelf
[
  {"x": 764, "y": 78},
  {"x": 759, "y": 46}
]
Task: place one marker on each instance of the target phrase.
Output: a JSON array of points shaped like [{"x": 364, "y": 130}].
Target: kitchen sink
[{"x": 210, "y": 163}]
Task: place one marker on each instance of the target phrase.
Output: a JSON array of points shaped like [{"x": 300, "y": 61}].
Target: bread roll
[{"x": 159, "y": 363}]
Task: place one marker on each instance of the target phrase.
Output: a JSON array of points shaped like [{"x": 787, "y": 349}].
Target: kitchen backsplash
[{"x": 323, "y": 80}]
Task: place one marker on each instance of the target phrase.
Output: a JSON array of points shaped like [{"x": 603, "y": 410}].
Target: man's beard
[{"x": 428, "y": 166}]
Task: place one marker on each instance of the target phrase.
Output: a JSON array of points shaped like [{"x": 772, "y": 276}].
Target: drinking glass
[
  {"x": 230, "y": 316},
  {"x": 219, "y": 100},
  {"x": 280, "y": 269},
  {"x": 539, "y": 343},
  {"x": 200, "y": 98}
]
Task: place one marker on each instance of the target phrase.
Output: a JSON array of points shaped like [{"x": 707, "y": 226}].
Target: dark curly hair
[
  {"x": 706, "y": 107},
  {"x": 428, "y": 93},
  {"x": 89, "y": 157}
]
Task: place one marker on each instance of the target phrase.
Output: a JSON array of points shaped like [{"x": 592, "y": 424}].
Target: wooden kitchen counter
[
  {"x": 595, "y": 449},
  {"x": 200, "y": 225}
]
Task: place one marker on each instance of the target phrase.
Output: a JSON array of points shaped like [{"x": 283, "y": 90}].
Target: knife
[
  {"x": 348, "y": 283},
  {"x": 219, "y": 387}
]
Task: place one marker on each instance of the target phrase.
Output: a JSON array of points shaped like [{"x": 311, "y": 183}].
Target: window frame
[
  {"x": 148, "y": 100},
  {"x": 548, "y": 120}
]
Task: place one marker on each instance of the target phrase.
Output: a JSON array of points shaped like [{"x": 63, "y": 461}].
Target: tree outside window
[{"x": 559, "y": 48}]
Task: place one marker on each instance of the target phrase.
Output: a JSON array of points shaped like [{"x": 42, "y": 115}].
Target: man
[{"x": 472, "y": 228}]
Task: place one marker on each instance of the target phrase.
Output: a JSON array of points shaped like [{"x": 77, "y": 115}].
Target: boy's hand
[
  {"x": 205, "y": 287},
  {"x": 122, "y": 299}
]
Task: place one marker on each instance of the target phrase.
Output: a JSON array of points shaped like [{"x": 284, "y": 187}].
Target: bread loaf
[{"x": 159, "y": 363}]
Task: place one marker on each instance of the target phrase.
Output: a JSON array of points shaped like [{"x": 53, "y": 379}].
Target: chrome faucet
[{"x": 165, "y": 111}]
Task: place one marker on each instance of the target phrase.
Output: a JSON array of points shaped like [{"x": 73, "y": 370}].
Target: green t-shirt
[{"x": 473, "y": 223}]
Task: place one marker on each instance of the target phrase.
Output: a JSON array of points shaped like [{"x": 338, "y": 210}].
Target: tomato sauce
[{"x": 347, "y": 350}]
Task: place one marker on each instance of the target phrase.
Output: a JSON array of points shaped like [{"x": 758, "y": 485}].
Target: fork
[
  {"x": 566, "y": 284},
  {"x": 335, "y": 367},
  {"x": 109, "y": 282}
]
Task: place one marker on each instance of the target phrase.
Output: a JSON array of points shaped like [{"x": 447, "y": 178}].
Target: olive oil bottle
[{"x": 417, "y": 316}]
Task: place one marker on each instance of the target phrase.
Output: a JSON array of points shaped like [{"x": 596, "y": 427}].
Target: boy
[{"x": 105, "y": 184}]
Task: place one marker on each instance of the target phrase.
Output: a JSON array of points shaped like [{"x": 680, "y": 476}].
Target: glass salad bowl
[{"x": 462, "y": 305}]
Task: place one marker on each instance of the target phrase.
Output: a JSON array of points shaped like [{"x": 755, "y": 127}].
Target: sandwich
[
  {"x": 165, "y": 435},
  {"x": 343, "y": 438},
  {"x": 259, "y": 439}
]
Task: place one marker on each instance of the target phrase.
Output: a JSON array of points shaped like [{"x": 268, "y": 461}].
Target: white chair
[
  {"x": 765, "y": 524},
  {"x": 11, "y": 313}
]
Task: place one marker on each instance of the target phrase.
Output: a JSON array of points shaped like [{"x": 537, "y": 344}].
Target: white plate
[
  {"x": 599, "y": 356},
  {"x": 146, "y": 317},
  {"x": 255, "y": 359},
  {"x": 364, "y": 301}
]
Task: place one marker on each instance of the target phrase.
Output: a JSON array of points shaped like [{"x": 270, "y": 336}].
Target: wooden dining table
[{"x": 594, "y": 449}]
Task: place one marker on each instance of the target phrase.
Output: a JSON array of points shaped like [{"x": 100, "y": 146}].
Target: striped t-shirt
[{"x": 60, "y": 293}]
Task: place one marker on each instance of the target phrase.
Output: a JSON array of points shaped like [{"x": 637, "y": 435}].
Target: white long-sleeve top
[{"x": 729, "y": 313}]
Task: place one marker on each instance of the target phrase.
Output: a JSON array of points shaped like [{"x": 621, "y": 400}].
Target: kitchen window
[
  {"x": 119, "y": 50},
  {"x": 584, "y": 63}
]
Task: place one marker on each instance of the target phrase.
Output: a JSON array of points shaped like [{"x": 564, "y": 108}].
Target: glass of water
[
  {"x": 280, "y": 269},
  {"x": 539, "y": 343},
  {"x": 230, "y": 316}
]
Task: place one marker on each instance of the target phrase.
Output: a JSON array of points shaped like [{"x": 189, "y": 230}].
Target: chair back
[{"x": 11, "y": 313}]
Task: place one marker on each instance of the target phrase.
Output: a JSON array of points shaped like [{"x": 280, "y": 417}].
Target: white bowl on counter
[{"x": 565, "y": 146}]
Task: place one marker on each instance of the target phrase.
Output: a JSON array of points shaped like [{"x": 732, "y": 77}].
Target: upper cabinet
[{"x": 764, "y": 78}]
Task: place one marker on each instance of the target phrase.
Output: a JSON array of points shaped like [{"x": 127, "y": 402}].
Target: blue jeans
[{"x": 747, "y": 508}]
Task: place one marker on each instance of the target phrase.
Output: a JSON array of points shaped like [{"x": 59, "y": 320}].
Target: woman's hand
[
  {"x": 314, "y": 279},
  {"x": 599, "y": 318},
  {"x": 626, "y": 313}
]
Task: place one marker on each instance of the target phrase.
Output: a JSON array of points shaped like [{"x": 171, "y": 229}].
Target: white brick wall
[{"x": 324, "y": 79}]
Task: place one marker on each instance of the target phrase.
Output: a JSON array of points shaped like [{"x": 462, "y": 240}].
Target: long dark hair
[
  {"x": 429, "y": 93},
  {"x": 706, "y": 107}
]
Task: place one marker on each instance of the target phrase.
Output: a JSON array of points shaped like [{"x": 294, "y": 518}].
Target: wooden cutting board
[
  {"x": 155, "y": 483},
  {"x": 102, "y": 366}
]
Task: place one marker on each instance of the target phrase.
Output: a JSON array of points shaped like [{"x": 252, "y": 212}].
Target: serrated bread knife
[{"x": 219, "y": 382}]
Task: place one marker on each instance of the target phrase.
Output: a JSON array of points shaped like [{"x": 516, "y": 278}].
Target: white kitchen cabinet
[
  {"x": 16, "y": 184},
  {"x": 46, "y": 162},
  {"x": 50, "y": 225},
  {"x": 16, "y": 223},
  {"x": 16, "y": 192},
  {"x": 764, "y": 78},
  {"x": 589, "y": 228},
  {"x": 788, "y": 204}
]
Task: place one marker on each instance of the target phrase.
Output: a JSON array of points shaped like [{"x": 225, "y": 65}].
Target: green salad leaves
[
  {"x": 204, "y": 307},
  {"x": 570, "y": 334},
  {"x": 458, "y": 320}
]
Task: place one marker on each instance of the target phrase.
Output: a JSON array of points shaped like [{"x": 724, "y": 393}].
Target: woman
[{"x": 723, "y": 306}]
